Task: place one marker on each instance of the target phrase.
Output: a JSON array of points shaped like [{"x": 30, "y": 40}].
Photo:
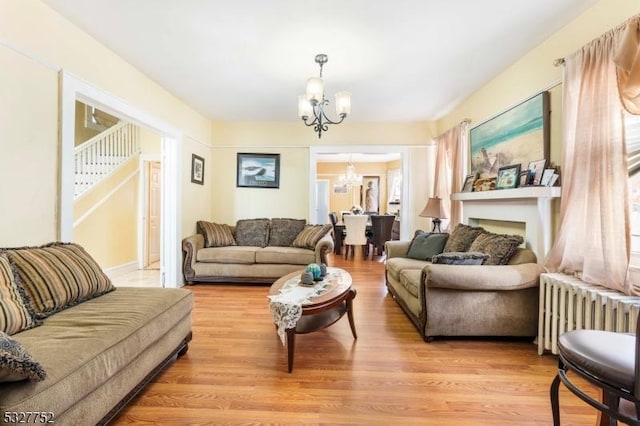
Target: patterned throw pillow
[
  {"x": 462, "y": 237},
  {"x": 284, "y": 231},
  {"x": 216, "y": 234},
  {"x": 57, "y": 276},
  {"x": 499, "y": 247},
  {"x": 252, "y": 232},
  {"x": 16, "y": 363},
  {"x": 460, "y": 258},
  {"x": 15, "y": 314},
  {"x": 310, "y": 235},
  {"x": 425, "y": 245}
]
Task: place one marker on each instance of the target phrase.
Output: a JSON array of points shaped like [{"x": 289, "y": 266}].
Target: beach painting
[
  {"x": 517, "y": 136},
  {"x": 258, "y": 170}
]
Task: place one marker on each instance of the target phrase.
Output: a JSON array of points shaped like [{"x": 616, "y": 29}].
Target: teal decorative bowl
[{"x": 314, "y": 268}]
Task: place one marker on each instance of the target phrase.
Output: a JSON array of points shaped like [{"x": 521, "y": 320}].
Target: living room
[{"x": 34, "y": 63}]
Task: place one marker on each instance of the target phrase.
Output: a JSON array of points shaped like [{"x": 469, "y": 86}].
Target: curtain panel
[
  {"x": 451, "y": 166},
  {"x": 594, "y": 236}
]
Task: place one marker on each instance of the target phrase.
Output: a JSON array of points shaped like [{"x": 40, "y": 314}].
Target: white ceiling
[{"x": 248, "y": 60}]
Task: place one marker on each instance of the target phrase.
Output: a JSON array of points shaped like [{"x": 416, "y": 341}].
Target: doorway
[
  {"x": 322, "y": 201},
  {"x": 152, "y": 214}
]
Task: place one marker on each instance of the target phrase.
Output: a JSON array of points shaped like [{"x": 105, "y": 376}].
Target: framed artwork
[
  {"x": 468, "y": 183},
  {"x": 516, "y": 136},
  {"x": 340, "y": 188},
  {"x": 536, "y": 169},
  {"x": 197, "y": 169},
  {"x": 258, "y": 171},
  {"x": 370, "y": 194},
  {"x": 508, "y": 177}
]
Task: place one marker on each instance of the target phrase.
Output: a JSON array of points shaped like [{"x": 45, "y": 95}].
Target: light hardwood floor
[{"x": 236, "y": 370}]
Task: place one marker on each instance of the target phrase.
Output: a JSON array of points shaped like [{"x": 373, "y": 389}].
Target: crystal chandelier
[
  {"x": 350, "y": 178},
  {"x": 313, "y": 102}
]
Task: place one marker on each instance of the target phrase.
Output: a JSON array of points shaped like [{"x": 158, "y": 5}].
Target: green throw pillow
[{"x": 426, "y": 245}]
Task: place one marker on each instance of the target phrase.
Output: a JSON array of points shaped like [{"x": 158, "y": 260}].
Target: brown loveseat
[
  {"x": 500, "y": 299},
  {"x": 253, "y": 250},
  {"x": 89, "y": 347}
]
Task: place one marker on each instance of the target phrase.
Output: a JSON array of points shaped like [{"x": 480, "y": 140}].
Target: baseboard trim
[{"x": 125, "y": 268}]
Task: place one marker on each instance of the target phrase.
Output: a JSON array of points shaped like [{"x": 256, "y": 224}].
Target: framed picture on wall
[
  {"x": 197, "y": 169},
  {"x": 258, "y": 170},
  {"x": 370, "y": 194}
]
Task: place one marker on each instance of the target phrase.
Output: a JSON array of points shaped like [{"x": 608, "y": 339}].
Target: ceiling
[{"x": 248, "y": 60}]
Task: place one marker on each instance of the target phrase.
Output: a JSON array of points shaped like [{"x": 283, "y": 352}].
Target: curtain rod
[{"x": 558, "y": 62}]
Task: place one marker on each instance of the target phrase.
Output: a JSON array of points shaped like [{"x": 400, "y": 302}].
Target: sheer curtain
[
  {"x": 594, "y": 236},
  {"x": 451, "y": 165}
]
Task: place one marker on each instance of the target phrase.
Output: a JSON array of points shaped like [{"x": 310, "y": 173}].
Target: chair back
[
  {"x": 381, "y": 227},
  {"x": 356, "y": 226},
  {"x": 333, "y": 217}
]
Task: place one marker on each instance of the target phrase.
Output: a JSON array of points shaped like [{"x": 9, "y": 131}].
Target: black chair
[
  {"x": 607, "y": 360},
  {"x": 338, "y": 237},
  {"x": 381, "y": 227}
]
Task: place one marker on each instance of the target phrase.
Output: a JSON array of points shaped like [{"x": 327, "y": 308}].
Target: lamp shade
[
  {"x": 304, "y": 107},
  {"x": 343, "y": 103},
  {"x": 434, "y": 208},
  {"x": 315, "y": 89}
]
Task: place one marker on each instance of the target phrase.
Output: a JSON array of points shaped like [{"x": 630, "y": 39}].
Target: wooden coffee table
[{"x": 323, "y": 310}]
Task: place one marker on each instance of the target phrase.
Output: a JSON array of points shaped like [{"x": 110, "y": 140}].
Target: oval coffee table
[{"x": 322, "y": 310}]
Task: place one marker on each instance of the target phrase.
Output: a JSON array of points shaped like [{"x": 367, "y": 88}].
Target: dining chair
[
  {"x": 608, "y": 360},
  {"x": 355, "y": 226},
  {"x": 381, "y": 227},
  {"x": 337, "y": 236}
]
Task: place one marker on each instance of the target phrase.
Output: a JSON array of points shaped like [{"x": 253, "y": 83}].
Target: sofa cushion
[
  {"x": 232, "y": 254},
  {"x": 410, "y": 279},
  {"x": 498, "y": 246},
  {"x": 57, "y": 276},
  {"x": 16, "y": 363},
  {"x": 310, "y": 235},
  {"x": 216, "y": 234},
  {"x": 426, "y": 245},
  {"x": 460, "y": 258},
  {"x": 284, "y": 231},
  {"x": 396, "y": 265},
  {"x": 285, "y": 255},
  {"x": 462, "y": 237},
  {"x": 252, "y": 232},
  {"x": 15, "y": 314}
]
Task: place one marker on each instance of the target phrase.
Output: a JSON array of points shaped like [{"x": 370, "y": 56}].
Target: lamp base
[{"x": 436, "y": 225}]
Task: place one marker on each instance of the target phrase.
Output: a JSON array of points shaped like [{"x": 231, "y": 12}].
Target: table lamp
[{"x": 434, "y": 210}]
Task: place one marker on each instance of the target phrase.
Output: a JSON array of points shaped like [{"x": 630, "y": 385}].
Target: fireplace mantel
[{"x": 529, "y": 205}]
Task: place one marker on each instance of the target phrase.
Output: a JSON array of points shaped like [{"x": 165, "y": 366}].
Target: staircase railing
[{"x": 98, "y": 157}]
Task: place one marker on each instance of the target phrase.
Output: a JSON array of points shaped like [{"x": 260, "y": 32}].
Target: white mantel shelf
[
  {"x": 529, "y": 205},
  {"x": 497, "y": 194}
]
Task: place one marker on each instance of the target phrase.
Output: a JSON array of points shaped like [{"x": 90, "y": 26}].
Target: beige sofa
[
  {"x": 465, "y": 300},
  {"x": 98, "y": 354},
  {"x": 267, "y": 255}
]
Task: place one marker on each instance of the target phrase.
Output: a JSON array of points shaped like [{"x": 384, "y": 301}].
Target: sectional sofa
[
  {"x": 74, "y": 350},
  {"x": 253, "y": 250}
]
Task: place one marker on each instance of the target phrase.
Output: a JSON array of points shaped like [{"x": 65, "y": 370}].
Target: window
[{"x": 632, "y": 137}]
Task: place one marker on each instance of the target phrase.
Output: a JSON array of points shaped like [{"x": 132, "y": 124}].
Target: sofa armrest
[
  {"x": 482, "y": 277},
  {"x": 395, "y": 248},
  {"x": 323, "y": 247},
  {"x": 190, "y": 247}
]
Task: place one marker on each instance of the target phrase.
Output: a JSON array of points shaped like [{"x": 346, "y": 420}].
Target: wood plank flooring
[{"x": 236, "y": 370}]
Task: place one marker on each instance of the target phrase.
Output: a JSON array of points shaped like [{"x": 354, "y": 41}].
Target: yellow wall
[{"x": 42, "y": 43}]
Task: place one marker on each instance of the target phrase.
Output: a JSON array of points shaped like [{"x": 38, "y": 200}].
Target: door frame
[{"x": 73, "y": 88}]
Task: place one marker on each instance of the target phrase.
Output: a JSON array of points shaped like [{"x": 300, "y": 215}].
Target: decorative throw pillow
[
  {"x": 426, "y": 245},
  {"x": 57, "y": 276},
  {"x": 216, "y": 234},
  {"x": 462, "y": 237},
  {"x": 310, "y": 235},
  {"x": 16, "y": 363},
  {"x": 15, "y": 313},
  {"x": 252, "y": 232},
  {"x": 284, "y": 231},
  {"x": 460, "y": 258},
  {"x": 499, "y": 247}
]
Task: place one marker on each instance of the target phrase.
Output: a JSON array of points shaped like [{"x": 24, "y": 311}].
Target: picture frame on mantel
[{"x": 518, "y": 135}]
